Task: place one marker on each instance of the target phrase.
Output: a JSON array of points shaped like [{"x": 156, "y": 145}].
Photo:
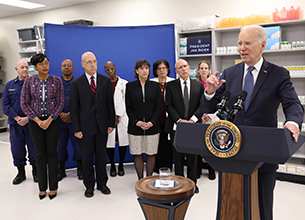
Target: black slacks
[
  {"x": 91, "y": 146},
  {"x": 266, "y": 184},
  {"x": 45, "y": 142}
]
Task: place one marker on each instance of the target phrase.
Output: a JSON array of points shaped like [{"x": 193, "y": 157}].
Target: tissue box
[{"x": 274, "y": 38}]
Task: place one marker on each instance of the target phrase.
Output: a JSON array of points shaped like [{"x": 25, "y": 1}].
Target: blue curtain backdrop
[{"x": 121, "y": 45}]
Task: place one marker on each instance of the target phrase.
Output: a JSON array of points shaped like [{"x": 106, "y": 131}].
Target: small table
[{"x": 164, "y": 203}]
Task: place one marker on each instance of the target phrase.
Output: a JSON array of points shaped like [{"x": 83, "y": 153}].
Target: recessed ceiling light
[{"x": 21, "y": 4}]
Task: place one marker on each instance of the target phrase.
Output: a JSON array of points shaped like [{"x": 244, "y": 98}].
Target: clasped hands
[
  {"x": 21, "y": 120},
  {"x": 44, "y": 124},
  {"x": 144, "y": 125},
  {"x": 65, "y": 117}
]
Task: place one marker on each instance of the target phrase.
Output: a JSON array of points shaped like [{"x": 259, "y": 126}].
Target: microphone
[
  {"x": 237, "y": 107},
  {"x": 222, "y": 106}
]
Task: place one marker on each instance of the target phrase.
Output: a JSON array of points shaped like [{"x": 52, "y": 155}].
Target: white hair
[{"x": 261, "y": 32}]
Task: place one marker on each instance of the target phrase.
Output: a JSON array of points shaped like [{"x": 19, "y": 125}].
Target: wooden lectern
[{"x": 237, "y": 189}]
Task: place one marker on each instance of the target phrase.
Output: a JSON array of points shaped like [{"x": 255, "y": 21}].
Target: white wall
[{"x": 127, "y": 13}]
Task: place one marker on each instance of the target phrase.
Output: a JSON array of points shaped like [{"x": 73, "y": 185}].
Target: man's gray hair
[{"x": 261, "y": 32}]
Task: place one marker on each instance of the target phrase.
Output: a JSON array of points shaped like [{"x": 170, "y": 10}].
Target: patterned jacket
[{"x": 32, "y": 103}]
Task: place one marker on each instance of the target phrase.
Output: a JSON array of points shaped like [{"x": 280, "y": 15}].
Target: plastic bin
[
  {"x": 79, "y": 22},
  {"x": 26, "y": 34}
]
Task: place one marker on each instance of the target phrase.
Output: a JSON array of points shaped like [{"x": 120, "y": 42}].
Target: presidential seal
[{"x": 223, "y": 139}]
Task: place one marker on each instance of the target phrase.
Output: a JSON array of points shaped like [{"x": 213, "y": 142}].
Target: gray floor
[{"x": 22, "y": 202}]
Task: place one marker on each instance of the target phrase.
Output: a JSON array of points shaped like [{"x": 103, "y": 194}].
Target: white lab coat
[{"x": 120, "y": 110}]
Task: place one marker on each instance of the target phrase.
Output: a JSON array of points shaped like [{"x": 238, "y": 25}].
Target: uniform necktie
[
  {"x": 186, "y": 100},
  {"x": 248, "y": 86},
  {"x": 93, "y": 88}
]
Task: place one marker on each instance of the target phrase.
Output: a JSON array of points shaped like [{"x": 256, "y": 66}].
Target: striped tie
[{"x": 93, "y": 85}]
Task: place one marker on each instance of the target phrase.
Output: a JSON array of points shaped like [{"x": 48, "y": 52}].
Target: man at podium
[{"x": 267, "y": 86}]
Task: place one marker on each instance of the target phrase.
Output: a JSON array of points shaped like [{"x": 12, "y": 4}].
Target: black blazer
[
  {"x": 273, "y": 86},
  {"x": 174, "y": 104},
  {"x": 141, "y": 108},
  {"x": 88, "y": 113}
]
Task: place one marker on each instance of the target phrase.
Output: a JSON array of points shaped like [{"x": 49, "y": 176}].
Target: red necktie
[{"x": 93, "y": 85}]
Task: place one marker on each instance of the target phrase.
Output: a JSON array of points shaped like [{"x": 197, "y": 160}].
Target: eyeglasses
[
  {"x": 89, "y": 62},
  {"x": 162, "y": 68},
  {"x": 108, "y": 70},
  {"x": 66, "y": 65},
  {"x": 43, "y": 63}
]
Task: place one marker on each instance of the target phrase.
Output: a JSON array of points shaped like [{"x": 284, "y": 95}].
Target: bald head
[
  {"x": 109, "y": 63},
  {"x": 66, "y": 60},
  {"x": 182, "y": 69},
  {"x": 86, "y": 54},
  {"x": 67, "y": 69},
  {"x": 89, "y": 63},
  {"x": 110, "y": 70},
  {"x": 22, "y": 68}
]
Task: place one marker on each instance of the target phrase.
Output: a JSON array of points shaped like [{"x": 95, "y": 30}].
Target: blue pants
[
  {"x": 66, "y": 133},
  {"x": 19, "y": 137}
]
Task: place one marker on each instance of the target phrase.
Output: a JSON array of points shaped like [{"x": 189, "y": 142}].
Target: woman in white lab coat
[{"x": 119, "y": 134}]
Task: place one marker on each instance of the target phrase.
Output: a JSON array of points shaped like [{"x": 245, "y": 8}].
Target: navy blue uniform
[
  {"x": 19, "y": 135},
  {"x": 66, "y": 129}
]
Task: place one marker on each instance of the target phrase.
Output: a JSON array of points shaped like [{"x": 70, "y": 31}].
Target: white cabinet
[{"x": 292, "y": 31}]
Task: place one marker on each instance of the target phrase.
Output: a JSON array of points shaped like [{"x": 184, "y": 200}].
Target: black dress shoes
[
  {"x": 52, "y": 196},
  {"x": 196, "y": 189},
  {"x": 80, "y": 170},
  {"x": 80, "y": 175},
  {"x": 89, "y": 193},
  {"x": 19, "y": 179},
  {"x": 112, "y": 171},
  {"x": 34, "y": 174},
  {"x": 212, "y": 174},
  {"x": 35, "y": 178},
  {"x": 104, "y": 189},
  {"x": 121, "y": 171},
  {"x": 42, "y": 196}
]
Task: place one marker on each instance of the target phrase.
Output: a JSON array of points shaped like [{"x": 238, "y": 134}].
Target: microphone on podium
[
  {"x": 222, "y": 110},
  {"x": 237, "y": 107}
]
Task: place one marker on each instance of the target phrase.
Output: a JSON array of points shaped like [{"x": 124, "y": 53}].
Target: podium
[{"x": 237, "y": 189}]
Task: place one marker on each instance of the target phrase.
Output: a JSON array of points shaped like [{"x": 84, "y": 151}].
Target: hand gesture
[{"x": 213, "y": 83}]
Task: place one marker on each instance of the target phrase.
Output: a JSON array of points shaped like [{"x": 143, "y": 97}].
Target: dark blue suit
[
  {"x": 19, "y": 135},
  {"x": 272, "y": 87},
  {"x": 66, "y": 132}
]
